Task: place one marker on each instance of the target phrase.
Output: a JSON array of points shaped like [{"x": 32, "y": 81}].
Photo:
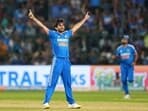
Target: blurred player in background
[
  {"x": 59, "y": 39},
  {"x": 127, "y": 56}
]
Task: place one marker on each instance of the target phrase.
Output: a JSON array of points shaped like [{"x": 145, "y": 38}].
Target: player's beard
[
  {"x": 61, "y": 30},
  {"x": 123, "y": 43}
]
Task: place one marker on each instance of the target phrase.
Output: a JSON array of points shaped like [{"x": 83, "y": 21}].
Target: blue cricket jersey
[
  {"x": 60, "y": 42},
  {"x": 126, "y": 54}
]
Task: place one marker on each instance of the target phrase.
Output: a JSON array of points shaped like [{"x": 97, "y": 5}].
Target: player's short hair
[{"x": 58, "y": 21}]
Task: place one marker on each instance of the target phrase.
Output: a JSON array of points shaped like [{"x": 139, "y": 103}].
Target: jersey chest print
[
  {"x": 62, "y": 40},
  {"x": 125, "y": 54}
]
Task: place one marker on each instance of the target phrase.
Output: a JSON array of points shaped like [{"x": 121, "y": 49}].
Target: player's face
[
  {"x": 60, "y": 27},
  {"x": 124, "y": 41}
]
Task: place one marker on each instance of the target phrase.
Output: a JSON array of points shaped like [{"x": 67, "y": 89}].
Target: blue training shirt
[
  {"x": 126, "y": 54},
  {"x": 60, "y": 42}
]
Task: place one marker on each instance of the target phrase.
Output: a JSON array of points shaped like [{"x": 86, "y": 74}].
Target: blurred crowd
[{"x": 23, "y": 43}]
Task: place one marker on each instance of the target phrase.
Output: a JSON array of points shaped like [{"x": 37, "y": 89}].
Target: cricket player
[
  {"x": 127, "y": 56},
  {"x": 59, "y": 39}
]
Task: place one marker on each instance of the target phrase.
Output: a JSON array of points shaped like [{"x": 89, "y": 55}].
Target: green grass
[
  {"x": 100, "y": 96},
  {"x": 104, "y": 100}
]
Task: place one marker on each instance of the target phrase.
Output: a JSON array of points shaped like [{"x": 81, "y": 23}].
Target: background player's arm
[
  {"x": 79, "y": 24},
  {"x": 116, "y": 54},
  {"x": 135, "y": 55},
  {"x": 136, "y": 58},
  {"x": 32, "y": 17},
  {"x": 115, "y": 57}
]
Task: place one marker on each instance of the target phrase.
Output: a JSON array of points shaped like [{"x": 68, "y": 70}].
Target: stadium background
[{"x": 23, "y": 43}]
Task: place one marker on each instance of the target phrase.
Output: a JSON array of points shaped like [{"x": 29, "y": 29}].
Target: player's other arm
[
  {"x": 116, "y": 54},
  {"x": 136, "y": 57},
  {"x": 32, "y": 17},
  {"x": 79, "y": 24},
  {"x": 115, "y": 57}
]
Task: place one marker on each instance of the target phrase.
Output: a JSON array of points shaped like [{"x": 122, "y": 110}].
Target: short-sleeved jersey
[
  {"x": 60, "y": 42},
  {"x": 126, "y": 54}
]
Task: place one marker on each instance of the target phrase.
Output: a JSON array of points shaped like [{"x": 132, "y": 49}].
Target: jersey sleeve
[
  {"x": 50, "y": 34},
  {"x": 69, "y": 33},
  {"x": 134, "y": 50},
  {"x": 117, "y": 52}
]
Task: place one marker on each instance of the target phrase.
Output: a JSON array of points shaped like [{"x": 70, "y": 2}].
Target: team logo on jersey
[
  {"x": 58, "y": 36},
  {"x": 121, "y": 51},
  {"x": 65, "y": 36},
  {"x": 128, "y": 50}
]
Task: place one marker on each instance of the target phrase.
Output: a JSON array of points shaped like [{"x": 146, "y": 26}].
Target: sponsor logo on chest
[
  {"x": 62, "y": 42},
  {"x": 125, "y": 54}
]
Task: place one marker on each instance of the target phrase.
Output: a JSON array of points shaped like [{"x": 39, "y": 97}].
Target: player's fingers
[
  {"x": 30, "y": 10},
  {"x": 87, "y": 13},
  {"x": 29, "y": 14}
]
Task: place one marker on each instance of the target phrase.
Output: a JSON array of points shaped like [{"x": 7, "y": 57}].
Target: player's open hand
[
  {"x": 87, "y": 16},
  {"x": 30, "y": 14}
]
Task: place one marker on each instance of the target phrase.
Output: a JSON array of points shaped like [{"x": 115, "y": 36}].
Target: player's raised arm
[
  {"x": 79, "y": 24},
  {"x": 32, "y": 17}
]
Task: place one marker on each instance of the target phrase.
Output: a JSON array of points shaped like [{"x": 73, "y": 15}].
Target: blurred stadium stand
[{"x": 23, "y": 43}]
